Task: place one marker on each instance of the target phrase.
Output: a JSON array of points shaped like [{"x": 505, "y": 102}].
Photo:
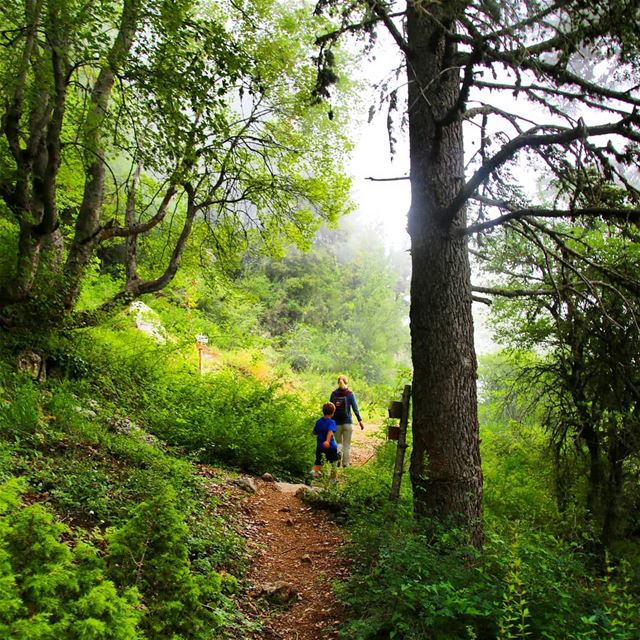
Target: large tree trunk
[{"x": 445, "y": 465}]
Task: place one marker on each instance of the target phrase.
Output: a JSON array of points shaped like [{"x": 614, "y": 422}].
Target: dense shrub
[
  {"x": 409, "y": 585},
  {"x": 20, "y": 418},
  {"x": 96, "y": 468},
  {"x": 518, "y": 476},
  {"x": 47, "y": 589},
  {"x": 415, "y": 580},
  {"x": 234, "y": 419},
  {"x": 227, "y": 417},
  {"x": 150, "y": 553},
  {"x": 413, "y": 583}
]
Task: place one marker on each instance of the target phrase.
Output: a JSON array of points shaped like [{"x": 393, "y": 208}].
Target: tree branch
[
  {"x": 513, "y": 293},
  {"x": 632, "y": 215},
  {"x": 530, "y": 90},
  {"x": 562, "y": 75},
  {"x": 136, "y": 288},
  {"x": 532, "y": 20},
  {"x": 140, "y": 287},
  {"x": 386, "y": 18},
  {"x": 481, "y": 300},
  {"x": 532, "y": 139},
  {"x": 131, "y": 243},
  {"x": 348, "y": 28},
  {"x": 14, "y": 110},
  {"x": 112, "y": 230},
  {"x": 372, "y": 179}
]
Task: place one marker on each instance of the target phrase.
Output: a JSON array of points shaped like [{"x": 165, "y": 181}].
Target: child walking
[{"x": 324, "y": 429}]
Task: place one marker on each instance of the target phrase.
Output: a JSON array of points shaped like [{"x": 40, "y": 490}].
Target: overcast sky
[{"x": 381, "y": 205}]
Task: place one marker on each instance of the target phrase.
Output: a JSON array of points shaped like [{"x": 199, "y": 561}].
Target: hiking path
[{"x": 295, "y": 554}]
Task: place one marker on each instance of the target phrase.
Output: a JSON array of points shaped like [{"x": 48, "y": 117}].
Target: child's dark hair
[{"x": 328, "y": 409}]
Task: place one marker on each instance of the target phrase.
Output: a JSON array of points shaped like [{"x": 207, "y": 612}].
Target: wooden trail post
[
  {"x": 402, "y": 440},
  {"x": 201, "y": 344}
]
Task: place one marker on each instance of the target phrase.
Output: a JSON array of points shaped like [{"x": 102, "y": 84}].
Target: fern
[{"x": 514, "y": 615}]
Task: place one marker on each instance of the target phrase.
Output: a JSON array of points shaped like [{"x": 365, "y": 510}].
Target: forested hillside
[
  {"x": 183, "y": 280},
  {"x": 105, "y": 430}
]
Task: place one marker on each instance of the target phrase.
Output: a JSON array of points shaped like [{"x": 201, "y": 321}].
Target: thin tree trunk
[
  {"x": 131, "y": 242},
  {"x": 613, "y": 492},
  {"x": 594, "y": 489},
  {"x": 445, "y": 462},
  {"x": 87, "y": 226},
  {"x": 19, "y": 198}
]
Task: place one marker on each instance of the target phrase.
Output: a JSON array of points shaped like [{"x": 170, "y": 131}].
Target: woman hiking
[{"x": 345, "y": 402}]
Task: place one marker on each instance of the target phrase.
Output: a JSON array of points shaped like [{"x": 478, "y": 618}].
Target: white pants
[{"x": 343, "y": 438}]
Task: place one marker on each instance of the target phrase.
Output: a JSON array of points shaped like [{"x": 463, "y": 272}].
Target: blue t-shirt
[{"x": 323, "y": 426}]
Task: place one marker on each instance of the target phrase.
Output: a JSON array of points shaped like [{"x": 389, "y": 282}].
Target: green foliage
[
  {"x": 340, "y": 307},
  {"x": 211, "y": 105},
  {"x": 549, "y": 586},
  {"x": 419, "y": 580},
  {"x": 87, "y": 446},
  {"x": 98, "y": 285},
  {"x": 517, "y": 465},
  {"x": 514, "y": 613},
  {"x": 86, "y": 468},
  {"x": 51, "y": 591},
  {"x": 94, "y": 466},
  {"x": 408, "y": 585},
  {"x": 518, "y": 474},
  {"x": 583, "y": 382},
  {"x": 150, "y": 553},
  {"x": 20, "y": 418},
  {"x": 620, "y": 619},
  {"x": 236, "y": 419},
  {"x": 9, "y": 241}
]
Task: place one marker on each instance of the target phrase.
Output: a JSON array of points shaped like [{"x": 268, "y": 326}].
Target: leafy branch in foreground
[{"x": 171, "y": 118}]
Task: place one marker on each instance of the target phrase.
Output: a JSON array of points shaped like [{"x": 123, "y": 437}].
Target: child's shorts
[{"x": 330, "y": 454}]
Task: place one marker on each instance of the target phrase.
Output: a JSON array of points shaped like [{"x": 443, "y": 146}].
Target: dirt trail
[
  {"x": 364, "y": 443},
  {"x": 296, "y": 558},
  {"x": 295, "y": 564}
]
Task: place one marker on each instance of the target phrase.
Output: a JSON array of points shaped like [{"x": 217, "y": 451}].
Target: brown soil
[{"x": 295, "y": 558}]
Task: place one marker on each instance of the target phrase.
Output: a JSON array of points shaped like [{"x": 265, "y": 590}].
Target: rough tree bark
[
  {"x": 445, "y": 462},
  {"x": 517, "y": 63}
]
